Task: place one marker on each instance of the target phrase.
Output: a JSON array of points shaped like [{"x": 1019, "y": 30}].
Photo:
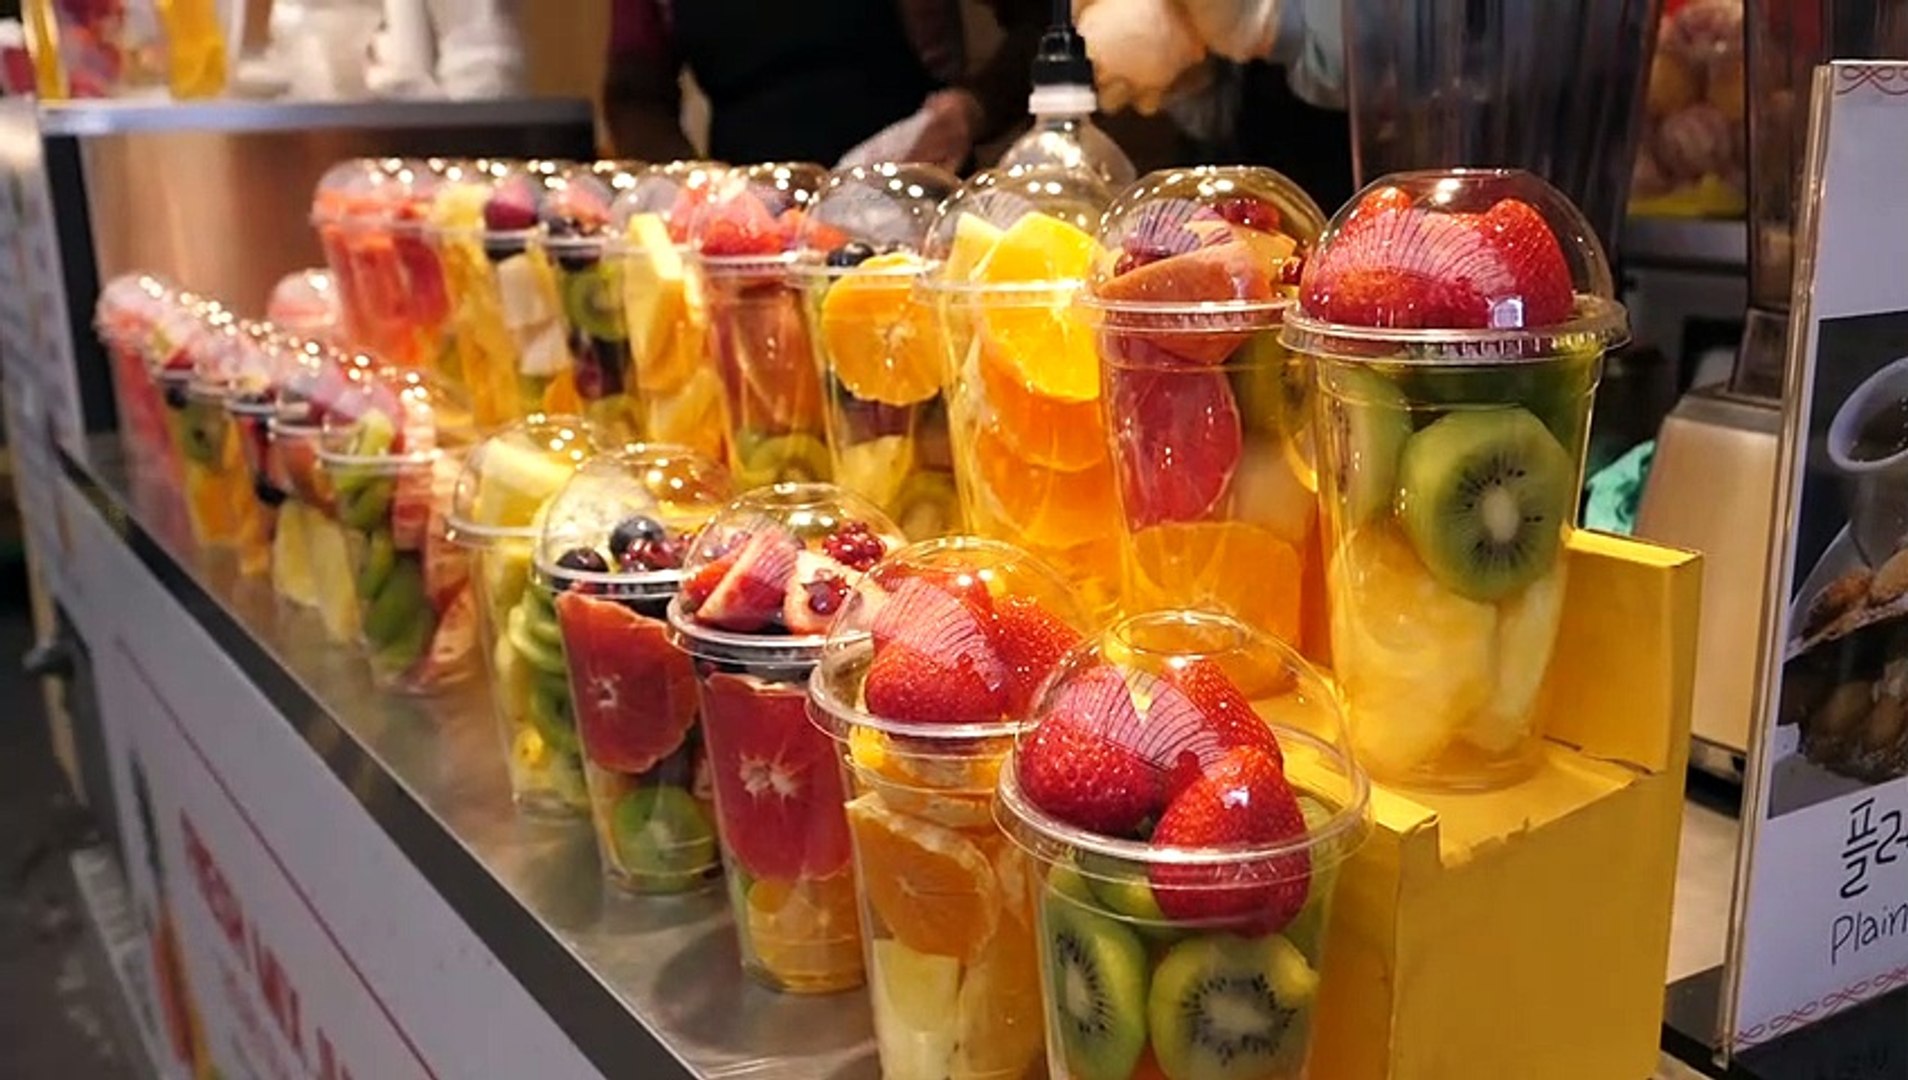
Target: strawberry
[
  {"x": 741, "y": 227},
  {"x": 816, "y": 591},
  {"x": 750, "y": 595},
  {"x": 1406, "y": 269},
  {"x": 1243, "y": 800},
  {"x": 704, "y": 581},
  {"x": 1030, "y": 641},
  {"x": 1229, "y": 715},
  {"x": 1535, "y": 261},
  {"x": 914, "y": 687},
  {"x": 947, "y": 616},
  {"x": 1077, "y": 765}
]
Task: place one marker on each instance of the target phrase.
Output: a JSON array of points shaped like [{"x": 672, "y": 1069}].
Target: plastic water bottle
[{"x": 1062, "y": 104}]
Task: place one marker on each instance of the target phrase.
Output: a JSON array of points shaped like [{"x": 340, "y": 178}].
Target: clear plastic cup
[
  {"x": 352, "y": 202},
  {"x": 304, "y": 304},
  {"x": 1210, "y": 421},
  {"x": 311, "y": 554},
  {"x": 128, "y": 314},
  {"x": 1186, "y": 795},
  {"x": 678, "y": 393},
  {"x": 759, "y": 587},
  {"x": 879, "y": 349},
  {"x": 496, "y": 510},
  {"x": 743, "y": 238},
  {"x": 391, "y": 467},
  {"x": 251, "y": 400},
  {"x": 929, "y": 671},
  {"x": 577, "y": 239},
  {"x": 218, "y": 497},
  {"x": 1458, "y": 321},
  {"x": 608, "y": 563},
  {"x": 290, "y": 467},
  {"x": 1011, "y": 251}
]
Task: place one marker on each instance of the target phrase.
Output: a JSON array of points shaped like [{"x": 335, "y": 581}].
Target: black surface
[{"x": 1868, "y": 1042}]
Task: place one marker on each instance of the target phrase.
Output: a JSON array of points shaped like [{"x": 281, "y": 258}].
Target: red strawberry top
[
  {"x": 674, "y": 192},
  {"x": 947, "y": 638},
  {"x": 1475, "y": 250},
  {"x": 754, "y": 214},
  {"x": 621, "y": 526},
  {"x": 773, "y": 568}
]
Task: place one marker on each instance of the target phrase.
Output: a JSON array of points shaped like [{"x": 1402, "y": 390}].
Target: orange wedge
[
  {"x": 1230, "y": 565},
  {"x": 1054, "y": 432},
  {"x": 1042, "y": 507},
  {"x": 806, "y": 933},
  {"x": 931, "y": 886},
  {"x": 881, "y": 344}
]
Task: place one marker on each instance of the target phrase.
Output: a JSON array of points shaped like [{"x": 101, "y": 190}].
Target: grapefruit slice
[
  {"x": 634, "y": 693},
  {"x": 1180, "y": 442},
  {"x": 777, "y": 785}
]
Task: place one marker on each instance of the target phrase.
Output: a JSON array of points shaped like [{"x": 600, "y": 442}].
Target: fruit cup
[
  {"x": 879, "y": 348},
  {"x": 744, "y": 238},
  {"x": 126, "y": 318},
  {"x": 608, "y": 563},
  {"x": 933, "y": 664},
  {"x": 1030, "y": 443},
  {"x": 251, "y": 401},
  {"x": 760, "y": 584},
  {"x": 678, "y": 392},
  {"x": 219, "y": 501},
  {"x": 575, "y": 239},
  {"x": 495, "y": 508},
  {"x": 1210, "y": 422},
  {"x": 1186, "y": 793},
  {"x": 391, "y": 486},
  {"x": 350, "y": 203},
  {"x": 311, "y": 556},
  {"x": 304, "y": 304},
  {"x": 1458, "y": 321}
]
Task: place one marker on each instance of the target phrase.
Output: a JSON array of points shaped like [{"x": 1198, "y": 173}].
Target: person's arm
[{"x": 642, "y": 94}]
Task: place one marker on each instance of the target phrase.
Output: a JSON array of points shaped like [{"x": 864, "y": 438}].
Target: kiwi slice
[
  {"x": 1224, "y": 1007},
  {"x": 202, "y": 430},
  {"x": 1553, "y": 390},
  {"x": 1123, "y": 890},
  {"x": 1306, "y": 931},
  {"x": 1367, "y": 422},
  {"x": 547, "y": 707},
  {"x": 593, "y": 302},
  {"x": 1484, "y": 496},
  {"x": 541, "y": 653},
  {"x": 1096, "y": 986},
  {"x": 380, "y": 557},
  {"x": 399, "y": 604},
  {"x": 539, "y": 617},
  {"x": 661, "y": 833},
  {"x": 363, "y": 503},
  {"x": 796, "y": 457},
  {"x": 405, "y": 649},
  {"x": 927, "y": 505}
]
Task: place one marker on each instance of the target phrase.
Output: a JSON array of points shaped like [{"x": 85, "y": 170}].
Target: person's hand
[
  {"x": 1139, "y": 48},
  {"x": 1238, "y": 30},
  {"x": 949, "y": 120}
]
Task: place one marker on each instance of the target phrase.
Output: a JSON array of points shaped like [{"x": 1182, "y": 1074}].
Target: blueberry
[
  {"x": 635, "y": 530},
  {"x": 583, "y": 559},
  {"x": 268, "y": 493},
  {"x": 175, "y": 396},
  {"x": 852, "y": 253}
]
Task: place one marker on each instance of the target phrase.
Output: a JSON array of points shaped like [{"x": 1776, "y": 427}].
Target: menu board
[{"x": 1821, "y": 920}]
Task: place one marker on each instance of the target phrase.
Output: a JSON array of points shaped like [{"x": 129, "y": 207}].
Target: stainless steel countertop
[
  {"x": 125, "y": 117},
  {"x": 672, "y": 963}
]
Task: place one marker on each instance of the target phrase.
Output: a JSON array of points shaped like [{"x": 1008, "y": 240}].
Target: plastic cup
[
  {"x": 252, "y": 402},
  {"x": 760, "y": 584},
  {"x": 678, "y": 396},
  {"x": 495, "y": 512},
  {"x": 350, "y": 204},
  {"x": 609, "y": 562},
  {"x": 743, "y": 238},
  {"x": 880, "y": 353},
  {"x": 125, "y": 319},
  {"x": 577, "y": 241},
  {"x": 946, "y": 914},
  {"x": 1458, "y": 321},
  {"x": 1185, "y": 794},
  {"x": 218, "y": 498},
  {"x": 311, "y": 555},
  {"x": 1012, "y": 249},
  {"x": 391, "y": 485},
  {"x": 304, "y": 304}
]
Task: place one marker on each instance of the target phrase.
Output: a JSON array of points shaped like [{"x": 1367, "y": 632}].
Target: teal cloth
[{"x": 1617, "y": 488}]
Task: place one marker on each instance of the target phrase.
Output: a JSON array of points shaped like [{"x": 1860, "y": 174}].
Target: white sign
[{"x": 1821, "y": 920}]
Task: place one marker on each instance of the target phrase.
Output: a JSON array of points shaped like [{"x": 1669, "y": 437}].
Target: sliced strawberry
[
  {"x": 1030, "y": 641},
  {"x": 914, "y": 687},
  {"x": 949, "y": 617},
  {"x": 749, "y": 597},
  {"x": 634, "y": 693},
  {"x": 815, "y": 593},
  {"x": 1243, "y": 800},
  {"x": 696, "y": 590},
  {"x": 1407, "y": 269},
  {"x": 742, "y": 226},
  {"x": 778, "y": 785},
  {"x": 1228, "y": 713},
  {"x": 1535, "y": 261},
  {"x": 1083, "y": 764}
]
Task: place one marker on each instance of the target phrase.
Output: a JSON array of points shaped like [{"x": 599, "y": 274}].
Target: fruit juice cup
[
  {"x": 678, "y": 393},
  {"x": 218, "y": 494},
  {"x": 348, "y": 200},
  {"x": 252, "y": 402},
  {"x": 879, "y": 349},
  {"x": 744, "y": 239},
  {"x": 1030, "y": 441},
  {"x": 608, "y": 564},
  {"x": 495, "y": 514},
  {"x": 577, "y": 242},
  {"x": 1210, "y": 423},
  {"x": 1185, "y": 793},
  {"x": 311, "y": 553},
  {"x": 759, "y": 587},
  {"x": 126, "y": 318},
  {"x": 391, "y": 486},
  {"x": 304, "y": 304},
  {"x": 421, "y": 321},
  {"x": 934, "y": 662},
  {"x": 1458, "y": 321}
]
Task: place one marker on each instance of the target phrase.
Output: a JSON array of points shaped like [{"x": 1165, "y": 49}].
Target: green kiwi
[
  {"x": 542, "y": 652},
  {"x": 1269, "y": 384},
  {"x": 405, "y": 649},
  {"x": 927, "y": 505},
  {"x": 1307, "y": 929},
  {"x": 1122, "y": 889},
  {"x": 400, "y": 604},
  {"x": 363, "y": 503},
  {"x": 202, "y": 430},
  {"x": 794, "y": 457},
  {"x": 1484, "y": 496},
  {"x": 1553, "y": 390},
  {"x": 661, "y": 833},
  {"x": 1230, "y": 1008},
  {"x": 380, "y": 556},
  {"x": 1366, "y": 421},
  {"x": 547, "y": 707},
  {"x": 539, "y": 617},
  {"x": 1096, "y": 986},
  {"x": 593, "y": 302}
]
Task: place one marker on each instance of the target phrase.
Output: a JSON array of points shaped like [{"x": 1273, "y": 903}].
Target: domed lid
[
  {"x": 1020, "y": 230},
  {"x": 304, "y": 303},
  {"x": 353, "y": 192},
  {"x": 946, "y": 639},
  {"x": 573, "y": 206},
  {"x": 411, "y": 187},
  {"x": 223, "y": 356},
  {"x": 1177, "y": 742},
  {"x": 385, "y": 418},
  {"x": 746, "y": 593},
  {"x": 316, "y": 383},
  {"x": 461, "y": 194},
  {"x": 129, "y": 307},
  {"x": 1457, "y": 266},
  {"x": 752, "y": 219},
  {"x": 670, "y": 194},
  {"x": 265, "y": 360},
  {"x": 623, "y": 525},
  {"x": 508, "y": 477},
  {"x": 872, "y": 218},
  {"x": 1211, "y": 241}
]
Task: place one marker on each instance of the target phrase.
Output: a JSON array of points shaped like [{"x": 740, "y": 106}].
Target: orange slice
[
  {"x": 1042, "y": 507},
  {"x": 1231, "y": 565},
  {"x": 955, "y": 790},
  {"x": 881, "y": 344},
  {"x": 931, "y": 886},
  {"x": 1038, "y": 247},
  {"x": 806, "y": 933},
  {"x": 1039, "y": 333},
  {"x": 1055, "y": 432},
  {"x": 561, "y": 396}
]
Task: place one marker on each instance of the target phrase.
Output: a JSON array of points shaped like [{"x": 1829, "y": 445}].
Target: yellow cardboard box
[{"x": 1524, "y": 934}]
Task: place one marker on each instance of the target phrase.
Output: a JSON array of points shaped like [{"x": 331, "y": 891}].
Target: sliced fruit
[
  {"x": 331, "y": 566},
  {"x": 919, "y": 688},
  {"x": 593, "y": 302},
  {"x": 529, "y": 628},
  {"x": 777, "y": 783},
  {"x": 874, "y": 468},
  {"x": 1267, "y": 491},
  {"x": 932, "y": 887},
  {"x": 1221, "y": 273},
  {"x": 1031, "y": 641},
  {"x": 661, "y": 834},
  {"x": 807, "y": 932},
  {"x": 653, "y": 300},
  {"x": 379, "y": 559},
  {"x": 634, "y": 694},
  {"x": 1367, "y": 422},
  {"x": 398, "y": 605},
  {"x": 927, "y": 506},
  {"x": 1307, "y": 932},
  {"x": 293, "y": 574},
  {"x": 796, "y": 458},
  {"x": 548, "y": 709},
  {"x": 1242, "y": 799},
  {"x": 1535, "y": 261},
  {"x": 816, "y": 591},
  {"x": 515, "y": 482},
  {"x": 914, "y": 996},
  {"x": 1096, "y": 990},
  {"x": 203, "y": 428},
  {"x": 878, "y": 340},
  {"x": 1243, "y": 569},
  {"x": 974, "y": 240},
  {"x": 1484, "y": 497},
  {"x": 1057, "y": 433},
  {"x": 760, "y": 343},
  {"x": 1179, "y": 442},
  {"x": 1526, "y": 637},
  {"x": 1230, "y": 1008},
  {"x": 1079, "y": 764},
  {"x": 1043, "y": 507},
  {"x": 1038, "y": 247},
  {"x": 1000, "y": 1012},
  {"x": 1122, "y": 889},
  {"x": 951, "y": 790},
  {"x": 750, "y": 595}
]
